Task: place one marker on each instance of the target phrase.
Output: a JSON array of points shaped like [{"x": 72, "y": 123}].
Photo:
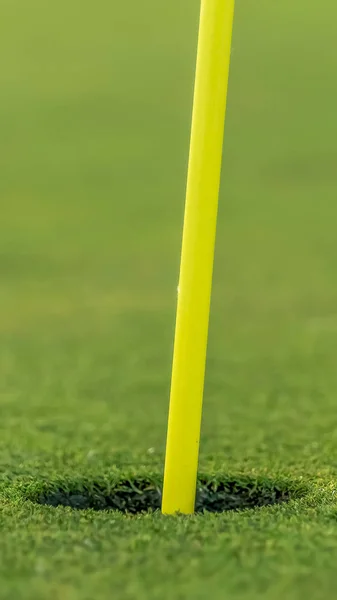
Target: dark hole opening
[{"x": 142, "y": 495}]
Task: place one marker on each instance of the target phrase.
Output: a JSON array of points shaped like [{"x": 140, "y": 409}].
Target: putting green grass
[{"x": 95, "y": 103}]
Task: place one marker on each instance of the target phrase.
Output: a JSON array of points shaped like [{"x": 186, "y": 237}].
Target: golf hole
[{"x": 142, "y": 495}]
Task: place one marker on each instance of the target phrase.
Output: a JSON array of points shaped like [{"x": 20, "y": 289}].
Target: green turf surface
[{"x": 95, "y": 104}]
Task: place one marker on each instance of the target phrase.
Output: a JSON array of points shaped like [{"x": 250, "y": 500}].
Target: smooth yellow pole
[{"x": 194, "y": 292}]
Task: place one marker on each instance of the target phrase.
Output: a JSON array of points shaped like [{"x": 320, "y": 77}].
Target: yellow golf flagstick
[{"x": 194, "y": 292}]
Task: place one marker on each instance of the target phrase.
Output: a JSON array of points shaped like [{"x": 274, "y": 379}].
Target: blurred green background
[
  {"x": 95, "y": 112},
  {"x": 95, "y": 109}
]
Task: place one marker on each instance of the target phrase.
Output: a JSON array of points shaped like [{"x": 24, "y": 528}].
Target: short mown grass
[{"x": 95, "y": 108}]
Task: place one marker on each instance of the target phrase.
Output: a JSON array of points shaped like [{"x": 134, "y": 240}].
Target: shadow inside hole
[{"x": 141, "y": 495}]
